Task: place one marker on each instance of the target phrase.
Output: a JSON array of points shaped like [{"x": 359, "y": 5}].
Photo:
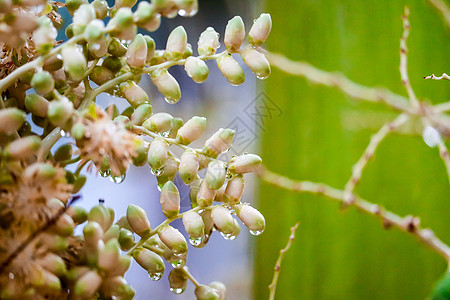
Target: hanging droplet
[
  {"x": 11, "y": 275},
  {"x": 262, "y": 77},
  {"x": 182, "y": 12},
  {"x": 157, "y": 172},
  {"x": 59, "y": 56},
  {"x": 155, "y": 276},
  {"x": 228, "y": 236},
  {"x": 104, "y": 173},
  {"x": 65, "y": 133},
  {"x": 195, "y": 241},
  {"x": 177, "y": 291},
  {"x": 177, "y": 263},
  {"x": 178, "y": 254},
  {"x": 117, "y": 179},
  {"x": 256, "y": 232},
  {"x": 171, "y": 100},
  {"x": 165, "y": 134}
]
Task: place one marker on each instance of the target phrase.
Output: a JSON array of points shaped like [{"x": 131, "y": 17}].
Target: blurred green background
[{"x": 321, "y": 133}]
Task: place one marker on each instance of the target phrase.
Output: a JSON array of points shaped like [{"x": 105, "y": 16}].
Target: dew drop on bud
[
  {"x": 256, "y": 232},
  {"x": 182, "y": 12},
  {"x": 177, "y": 291},
  {"x": 228, "y": 236},
  {"x": 195, "y": 241},
  {"x": 177, "y": 263},
  {"x": 157, "y": 172},
  {"x": 155, "y": 276},
  {"x": 262, "y": 77},
  {"x": 170, "y": 100},
  {"x": 117, "y": 179},
  {"x": 104, "y": 173}
]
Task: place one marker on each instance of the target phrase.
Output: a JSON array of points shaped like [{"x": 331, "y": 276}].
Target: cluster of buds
[{"x": 35, "y": 187}]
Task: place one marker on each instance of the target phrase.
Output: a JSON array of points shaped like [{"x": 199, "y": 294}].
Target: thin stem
[
  {"x": 48, "y": 142},
  {"x": 442, "y": 107},
  {"x": 443, "y": 153},
  {"x": 444, "y": 76},
  {"x": 190, "y": 276},
  {"x": 368, "y": 153},
  {"x": 407, "y": 224},
  {"x": 80, "y": 167},
  {"x": 443, "y": 9},
  {"x": 276, "y": 274}
]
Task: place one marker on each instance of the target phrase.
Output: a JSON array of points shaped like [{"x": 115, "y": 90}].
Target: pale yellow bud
[
  {"x": 215, "y": 175},
  {"x": 231, "y": 70},
  {"x": 260, "y": 30},
  {"x": 234, "y": 34},
  {"x": 173, "y": 239},
  {"x": 138, "y": 220},
  {"x": 176, "y": 44},
  {"x": 204, "y": 292},
  {"x": 257, "y": 62},
  {"x": 208, "y": 42},
  {"x": 223, "y": 219},
  {"x": 134, "y": 94},
  {"x": 252, "y": 218},
  {"x": 23, "y": 148},
  {"x": 151, "y": 262},
  {"x": 87, "y": 285},
  {"x": 167, "y": 85},
  {"x": 170, "y": 200},
  {"x": 196, "y": 69},
  {"x": 137, "y": 52},
  {"x": 234, "y": 190},
  {"x": 188, "y": 166},
  {"x": 205, "y": 196},
  {"x": 245, "y": 163},
  {"x": 219, "y": 142},
  {"x": 158, "y": 154},
  {"x": 193, "y": 224},
  {"x": 191, "y": 130},
  {"x": 159, "y": 122}
]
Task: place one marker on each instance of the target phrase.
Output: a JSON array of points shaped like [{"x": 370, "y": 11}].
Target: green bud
[
  {"x": 23, "y": 148},
  {"x": 222, "y": 219},
  {"x": 53, "y": 63},
  {"x": 140, "y": 114},
  {"x": 170, "y": 200},
  {"x": 205, "y": 196},
  {"x": 150, "y": 46},
  {"x": 188, "y": 166},
  {"x": 116, "y": 48},
  {"x": 138, "y": 220},
  {"x": 157, "y": 154},
  {"x": 78, "y": 131},
  {"x": 78, "y": 214},
  {"x": 245, "y": 163},
  {"x": 134, "y": 94},
  {"x": 122, "y": 266},
  {"x": 122, "y": 21},
  {"x": 231, "y": 69},
  {"x": 79, "y": 183},
  {"x": 220, "y": 287},
  {"x": 84, "y": 15},
  {"x": 234, "y": 190},
  {"x": 44, "y": 37},
  {"x": 204, "y": 292},
  {"x": 94, "y": 32},
  {"x": 178, "y": 281},
  {"x": 112, "y": 233},
  {"x": 196, "y": 69},
  {"x": 141, "y": 149},
  {"x": 176, "y": 44},
  {"x": 69, "y": 31},
  {"x": 257, "y": 62},
  {"x": 187, "y": 51},
  {"x": 43, "y": 83},
  {"x": 125, "y": 3},
  {"x": 53, "y": 242},
  {"x": 37, "y": 105},
  {"x": 102, "y": 215},
  {"x": 100, "y": 75},
  {"x": 101, "y": 8},
  {"x": 234, "y": 34},
  {"x": 252, "y": 218},
  {"x": 168, "y": 172},
  {"x": 87, "y": 285},
  {"x": 191, "y": 130},
  {"x": 176, "y": 125},
  {"x": 117, "y": 287},
  {"x": 173, "y": 239},
  {"x": 208, "y": 42},
  {"x": 167, "y": 85},
  {"x": 44, "y": 279},
  {"x": 73, "y": 5},
  {"x": 92, "y": 233},
  {"x": 150, "y": 261},
  {"x": 109, "y": 256},
  {"x": 64, "y": 225},
  {"x": 137, "y": 52},
  {"x": 126, "y": 239},
  {"x": 74, "y": 63},
  {"x": 159, "y": 122},
  {"x": 219, "y": 142},
  {"x": 64, "y": 152},
  {"x": 215, "y": 175},
  {"x": 112, "y": 63},
  {"x": 260, "y": 30},
  {"x": 11, "y": 119},
  {"x": 193, "y": 224},
  {"x": 60, "y": 111},
  {"x": 54, "y": 264}
]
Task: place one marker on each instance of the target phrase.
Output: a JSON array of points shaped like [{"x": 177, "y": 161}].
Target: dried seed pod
[
  {"x": 257, "y": 62},
  {"x": 204, "y": 292},
  {"x": 87, "y": 285},
  {"x": 234, "y": 34},
  {"x": 188, "y": 166},
  {"x": 260, "y": 30},
  {"x": 208, "y": 42},
  {"x": 193, "y": 224},
  {"x": 23, "y": 148},
  {"x": 170, "y": 200},
  {"x": 215, "y": 174},
  {"x": 231, "y": 70},
  {"x": 11, "y": 119},
  {"x": 223, "y": 219},
  {"x": 234, "y": 190},
  {"x": 191, "y": 130},
  {"x": 176, "y": 44},
  {"x": 159, "y": 122},
  {"x": 205, "y": 196},
  {"x": 138, "y": 220},
  {"x": 43, "y": 83},
  {"x": 134, "y": 94},
  {"x": 173, "y": 239},
  {"x": 158, "y": 154},
  {"x": 151, "y": 262},
  {"x": 75, "y": 64},
  {"x": 167, "y": 85},
  {"x": 252, "y": 218},
  {"x": 60, "y": 111},
  {"x": 245, "y": 163},
  {"x": 219, "y": 142},
  {"x": 137, "y": 52}
]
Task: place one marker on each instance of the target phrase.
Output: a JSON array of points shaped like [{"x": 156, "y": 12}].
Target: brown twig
[{"x": 277, "y": 268}]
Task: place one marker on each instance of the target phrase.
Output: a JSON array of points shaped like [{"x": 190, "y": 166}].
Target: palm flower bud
[
  {"x": 170, "y": 200},
  {"x": 11, "y": 119},
  {"x": 193, "y": 224},
  {"x": 188, "y": 166},
  {"x": 43, "y": 83},
  {"x": 84, "y": 15},
  {"x": 101, "y": 8},
  {"x": 215, "y": 175},
  {"x": 60, "y": 111},
  {"x": 187, "y": 51},
  {"x": 122, "y": 21},
  {"x": 53, "y": 263},
  {"x": 126, "y": 239},
  {"x": 204, "y": 292},
  {"x": 257, "y": 62},
  {"x": 74, "y": 63},
  {"x": 176, "y": 44},
  {"x": 137, "y": 52},
  {"x": 141, "y": 113},
  {"x": 219, "y": 286},
  {"x": 234, "y": 34},
  {"x": 194, "y": 188},
  {"x": 116, "y": 48},
  {"x": 64, "y": 225},
  {"x": 173, "y": 239},
  {"x": 260, "y": 30},
  {"x": 209, "y": 224},
  {"x": 94, "y": 31},
  {"x": 191, "y": 130},
  {"x": 168, "y": 172},
  {"x": 150, "y": 47},
  {"x": 42, "y": 278},
  {"x": 78, "y": 131},
  {"x": 78, "y": 214},
  {"x": 138, "y": 220},
  {"x": 151, "y": 262},
  {"x": 73, "y": 5},
  {"x": 157, "y": 154},
  {"x": 53, "y": 63},
  {"x": 123, "y": 223},
  {"x": 53, "y": 242},
  {"x": 176, "y": 124},
  {"x": 109, "y": 256},
  {"x": 234, "y": 190},
  {"x": 167, "y": 85},
  {"x": 146, "y": 16},
  {"x": 205, "y": 196},
  {"x": 222, "y": 219},
  {"x": 245, "y": 163},
  {"x": 196, "y": 69},
  {"x": 219, "y": 142},
  {"x": 252, "y": 218},
  {"x": 231, "y": 69},
  {"x": 112, "y": 63},
  {"x": 141, "y": 152},
  {"x": 112, "y": 233},
  {"x": 87, "y": 285},
  {"x": 37, "y": 105},
  {"x": 92, "y": 233},
  {"x": 178, "y": 281},
  {"x": 159, "y": 122},
  {"x": 208, "y": 42},
  {"x": 134, "y": 94},
  {"x": 80, "y": 180},
  {"x": 117, "y": 287},
  {"x": 23, "y": 148},
  {"x": 45, "y": 35},
  {"x": 100, "y": 75},
  {"x": 125, "y": 3}
]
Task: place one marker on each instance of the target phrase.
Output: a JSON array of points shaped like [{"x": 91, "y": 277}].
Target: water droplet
[
  {"x": 104, "y": 173},
  {"x": 256, "y": 232},
  {"x": 178, "y": 254},
  {"x": 165, "y": 134},
  {"x": 218, "y": 45},
  {"x": 11, "y": 275},
  {"x": 195, "y": 241},
  {"x": 155, "y": 276},
  {"x": 262, "y": 77},
  {"x": 59, "y": 56},
  {"x": 95, "y": 46},
  {"x": 171, "y": 100},
  {"x": 182, "y": 12},
  {"x": 157, "y": 172},
  {"x": 177, "y": 263},
  {"x": 177, "y": 291},
  {"x": 117, "y": 179},
  {"x": 200, "y": 211},
  {"x": 65, "y": 133},
  {"x": 228, "y": 236},
  {"x": 229, "y": 175}
]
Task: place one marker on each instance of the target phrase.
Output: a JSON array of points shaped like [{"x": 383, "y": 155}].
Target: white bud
[
  {"x": 260, "y": 30},
  {"x": 196, "y": 69},
  {"x": 208, "y": 42},
  {"x": 234, "y": 34}
]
